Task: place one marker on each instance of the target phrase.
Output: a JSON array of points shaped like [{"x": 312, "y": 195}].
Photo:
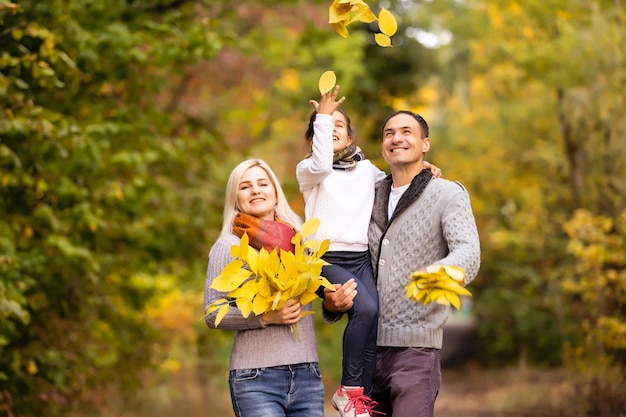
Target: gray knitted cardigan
[
  {"x": 256, "y": 346},
  {"x": 433, "y": 226}
]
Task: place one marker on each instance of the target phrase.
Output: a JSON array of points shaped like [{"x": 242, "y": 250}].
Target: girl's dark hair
[
  {"x": 420, "y": 120},
  {"x": 308, "y": 135}
]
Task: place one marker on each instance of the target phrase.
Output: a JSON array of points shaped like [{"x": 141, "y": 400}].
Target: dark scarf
[
  {"x": 381, "y": 201},
  {"x": 264, "y": 233},
  {"x": 347, "y": 158}
]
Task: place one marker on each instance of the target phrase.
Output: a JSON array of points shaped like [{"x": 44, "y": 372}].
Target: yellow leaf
[
  {"x": 411, "y": 290},
  {"x": 423, "y": 297},
  {"x": 362, "y": 13},
  {"x": 260, "y": 305},
  {"x": 326, "y": 284},
  {"x": 288, "y": 260},
  {"x": 387, "y": 22},
  {"x": 339, "y": 11},
  {"x": 307, "y": 297},
  {"x": 442, "y": 300},
  {"x": 341, "y": 29},
  {"x": 453, "y": 299},
  {"x": 326, "y": 83},
  {"x": 453, "y": 286},
  {"x": 220, "y": 314},
  {"x": 455, "y": 272},
  {"x": 309, "y": 227},
  {"x": 382, "y": 40},
  {"x": 252, "y": 258},
  {"x": 215, "y": 305},
  {"x": 264, "y": 288},
  {"x": 268, "y": 265},
  {"x": 276, "y": 300},
  {"x": 245, "y": 306},
  {"x": 434, "y": 268},
  {"x": 241, "y": 251},
  {"x": 248, "y": 290},
  {"x": 323, "y": 248},
  {"x": 231, "y": 277}
]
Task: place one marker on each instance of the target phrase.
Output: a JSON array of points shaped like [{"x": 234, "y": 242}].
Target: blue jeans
[
  {"x": 407, "y": 381},
  {"x": 359, "y": 336},
  {"x": 278, "y": 391}
]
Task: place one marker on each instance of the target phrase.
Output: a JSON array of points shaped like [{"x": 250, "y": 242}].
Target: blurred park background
[{"x": 122, "y": 119}]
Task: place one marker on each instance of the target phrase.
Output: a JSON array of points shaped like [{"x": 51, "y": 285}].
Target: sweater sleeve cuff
[{"x": 323, "y": 117}]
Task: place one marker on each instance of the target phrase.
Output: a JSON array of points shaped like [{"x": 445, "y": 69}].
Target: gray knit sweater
[
  {"x": 436, "y": 227},
  {"x": 256, "y": 346}
]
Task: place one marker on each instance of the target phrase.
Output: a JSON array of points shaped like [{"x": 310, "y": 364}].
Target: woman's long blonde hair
[{"x": 283, "y": 210}]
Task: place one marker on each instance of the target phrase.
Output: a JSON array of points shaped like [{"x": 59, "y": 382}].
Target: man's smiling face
[{"x": 403, "y": 142}]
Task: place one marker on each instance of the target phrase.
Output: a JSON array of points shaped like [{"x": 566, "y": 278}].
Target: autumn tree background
[{"x": 121, "y": 121}]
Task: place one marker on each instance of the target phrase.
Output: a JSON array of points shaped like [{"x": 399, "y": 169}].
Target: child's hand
[
  {"x": 328, "y": 102},
  {"x": 435, "y": 170}
]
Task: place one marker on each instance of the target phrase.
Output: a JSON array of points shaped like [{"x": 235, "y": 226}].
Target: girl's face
[
  {"x": 341, "y": 138},
  {"x": 256, "y": 194}
]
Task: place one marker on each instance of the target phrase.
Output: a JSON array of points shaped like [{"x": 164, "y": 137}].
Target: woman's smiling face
[{"x": 256, "y": 194}]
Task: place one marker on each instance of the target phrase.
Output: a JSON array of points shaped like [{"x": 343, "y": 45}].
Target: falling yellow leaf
[
  {"x": 362, "y": 12},
  {"x": 382, "y": 40},
  {"x": 326, "y": 83},
  {"x": 387, "y": 23},
  {"x": 339, "y": 11},
  {"x": 341, "y": 29},
  {"x": 343, "y": 12}
]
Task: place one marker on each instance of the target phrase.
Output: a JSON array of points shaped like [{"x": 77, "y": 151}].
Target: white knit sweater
[{"x": 341, "y": 199}]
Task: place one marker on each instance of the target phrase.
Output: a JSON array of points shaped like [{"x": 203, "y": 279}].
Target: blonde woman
[{"x": 272, "y": 372}]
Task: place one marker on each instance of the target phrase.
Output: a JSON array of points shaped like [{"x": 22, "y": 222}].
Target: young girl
[{"x": 337, "y": 183}]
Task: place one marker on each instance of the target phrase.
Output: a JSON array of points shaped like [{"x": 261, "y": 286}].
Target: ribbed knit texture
[
  {"x": 256, "y": 346},
  {"x": 341, "y": 199},
  {"x": 436, "y": 228}
]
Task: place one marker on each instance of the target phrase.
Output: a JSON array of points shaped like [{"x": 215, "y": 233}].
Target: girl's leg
[{"x": 359, "y": 338}]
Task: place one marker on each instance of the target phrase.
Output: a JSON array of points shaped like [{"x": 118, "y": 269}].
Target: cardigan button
[
  {"x": 385, "y": 241},
  {"x": 381, "y": 262}
]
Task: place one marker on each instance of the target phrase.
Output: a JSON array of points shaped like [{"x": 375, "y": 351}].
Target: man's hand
[{"x": 340, "y": 300}]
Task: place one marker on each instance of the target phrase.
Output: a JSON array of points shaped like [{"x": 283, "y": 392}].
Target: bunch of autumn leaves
[
  {"x": 261, "y": 281},
  {"x": 344, "y": 12}
]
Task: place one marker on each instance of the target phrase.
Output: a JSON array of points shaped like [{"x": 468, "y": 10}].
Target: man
[{"x": 417, "y": 221}]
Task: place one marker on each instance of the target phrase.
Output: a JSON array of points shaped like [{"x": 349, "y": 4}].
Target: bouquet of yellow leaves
[
  {"x": 441, "y": 284},
  {"x": 261, "y": 281}
]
